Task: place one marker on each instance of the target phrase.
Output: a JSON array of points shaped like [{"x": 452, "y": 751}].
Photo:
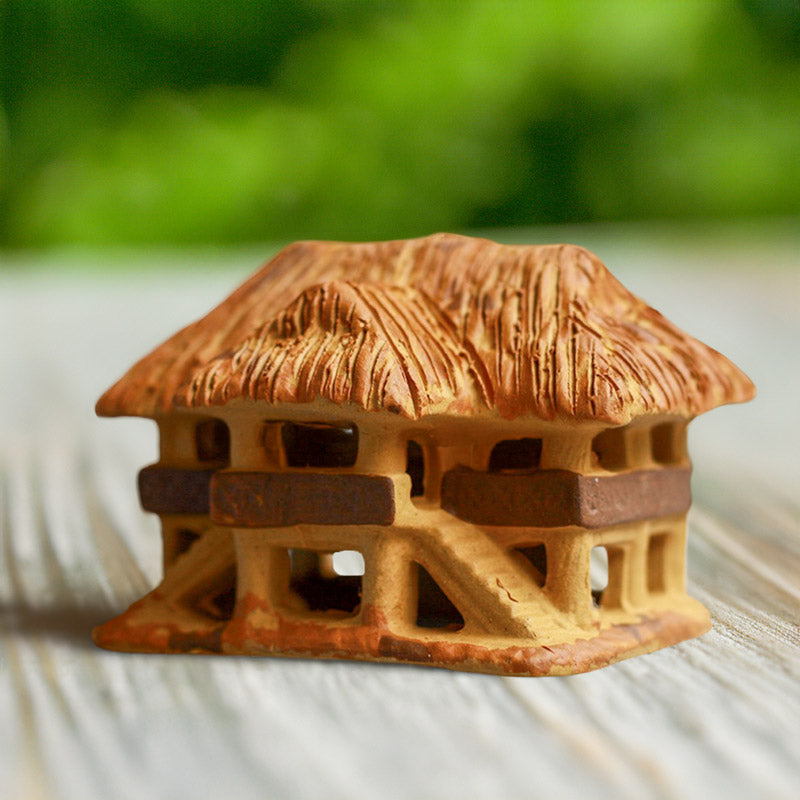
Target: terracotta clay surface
[
  {"x": 555, "y": 498},
  {"x": 424, "y": 325},
  {"x": 168, "y": 490},
  {"x": 290, "y": 499},
  {"x": 496, "y": 434}
]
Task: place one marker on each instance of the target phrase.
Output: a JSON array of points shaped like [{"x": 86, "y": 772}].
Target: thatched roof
[
  {"x": 374, "y": 345},
  {"x": 443, "y": 324}
]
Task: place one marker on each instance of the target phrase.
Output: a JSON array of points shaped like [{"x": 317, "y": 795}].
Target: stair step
[
  {"x": 511, "y": 598},
  {"x": 494, "y": 563}
]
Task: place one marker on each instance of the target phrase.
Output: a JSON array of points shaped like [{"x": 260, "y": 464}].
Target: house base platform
[{"x": 142, "y": 629}]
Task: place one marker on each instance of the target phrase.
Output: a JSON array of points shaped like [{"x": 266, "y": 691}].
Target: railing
[
  {"x": 542, "y": 498},
  {"x": 278, "y": 499},
  {"x": 174, "y": 490},
  {"x": 554, "y": 498}
]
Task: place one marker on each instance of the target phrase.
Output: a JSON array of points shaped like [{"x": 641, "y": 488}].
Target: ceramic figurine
[{"x": 410, "y": 451}]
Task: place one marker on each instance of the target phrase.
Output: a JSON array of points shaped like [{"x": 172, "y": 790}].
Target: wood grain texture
[{"x": 714, "y": 717}]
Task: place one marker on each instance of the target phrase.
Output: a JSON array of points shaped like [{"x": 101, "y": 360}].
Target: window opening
[
  {"x": 217, "y": 598},
  {"x": 415, "y": 467},
  {"x": 222, "y": 603},
  {"x": 434, "y": 608},
  {"x": 347, "y": 563},
  {"x": 536, "y": 558},
  {"x": 212, "y": 440},
  {"x": 609, "y": 448},
  {"x": 663, "y": 444},
  {"x": 657, "y": 562},
  {"x": 184, "y": 539},
  {"x": 605, "y": 575},
  {"x": 515, "y": 454},
  {"x": 319, "y": 445},
  {"x": 598, "y": 573},
  {"x": 315, "y": 578}
]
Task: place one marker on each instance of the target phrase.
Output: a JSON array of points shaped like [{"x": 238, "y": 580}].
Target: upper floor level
[{"x": 247, "y": 470}]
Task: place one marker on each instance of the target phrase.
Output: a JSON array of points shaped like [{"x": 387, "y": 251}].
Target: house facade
[{"x": 441, "y": 451}]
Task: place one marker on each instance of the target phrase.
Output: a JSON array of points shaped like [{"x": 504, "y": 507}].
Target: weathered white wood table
[{"x": 715, "y": 717}]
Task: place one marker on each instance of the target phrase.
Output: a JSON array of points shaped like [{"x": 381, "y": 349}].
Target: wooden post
[
  {"x": 380, "y": 452},
  {"x": 568, "y": 585},
  {"x": 388, "y": 588},
  {"x": 262, "y": 575},
  {"x": 635, "y": 592}
]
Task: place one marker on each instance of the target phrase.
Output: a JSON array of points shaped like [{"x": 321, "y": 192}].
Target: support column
[
  {"x": 481, "y": 452},
  {"x": 388, "y": 589},
  {"x": 568, "y": 585},
  {"x": 627, "y": 588},
  {"x": 380, "y": 452},
  {"x": 638, "y": 451},
  {"x": 255, "y": 445},
  {"x": 635, "y": 576},
  {"x": 176, "y": 439},
  {"x": 674, "y": 556},
  {"x": 262, "y": 576},
  {"x": 568, "y": 451}
]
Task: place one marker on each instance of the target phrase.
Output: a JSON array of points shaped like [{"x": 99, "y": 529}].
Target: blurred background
[
  {"x": 166, "y": 122},
  {"x": 154, "y": 152}
]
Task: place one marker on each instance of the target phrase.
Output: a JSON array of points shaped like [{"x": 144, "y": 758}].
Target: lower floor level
[{"x": 436, "y": 591}]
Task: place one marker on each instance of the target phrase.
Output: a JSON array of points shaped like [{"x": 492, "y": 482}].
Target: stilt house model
[{"x": 410, "y": 451}]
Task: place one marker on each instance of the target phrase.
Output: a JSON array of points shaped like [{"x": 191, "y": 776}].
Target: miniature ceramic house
[{"x": 409, "y": 451}]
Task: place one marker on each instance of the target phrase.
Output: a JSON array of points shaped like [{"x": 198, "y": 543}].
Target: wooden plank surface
[{"x": 715, "y": 717}]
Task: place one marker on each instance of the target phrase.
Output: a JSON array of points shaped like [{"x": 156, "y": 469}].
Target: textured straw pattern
[
  {"x": 373, "y": 345},
  {"x": 443, "y": 324}
]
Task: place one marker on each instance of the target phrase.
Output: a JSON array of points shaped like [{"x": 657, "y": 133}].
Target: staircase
[
  {"x": 483, "y": 580},
  {"x": 206, "y": 565}
]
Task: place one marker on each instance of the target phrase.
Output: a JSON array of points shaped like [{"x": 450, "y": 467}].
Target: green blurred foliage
[{"x": 164, "y": 121}]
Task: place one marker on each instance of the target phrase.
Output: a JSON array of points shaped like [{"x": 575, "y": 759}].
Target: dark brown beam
[
  {"x": 556, "y": 498},
  {"x": 169, "y": 490},
  {"x": 279, "y": 499}
]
